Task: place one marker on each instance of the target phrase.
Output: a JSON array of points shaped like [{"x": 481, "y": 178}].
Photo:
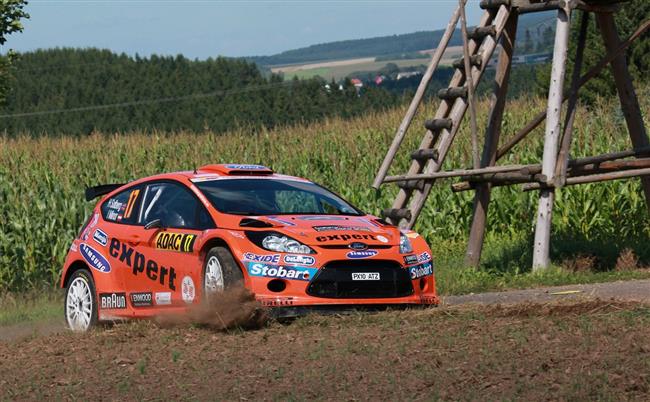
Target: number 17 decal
[{"x": 129, "y": 205}]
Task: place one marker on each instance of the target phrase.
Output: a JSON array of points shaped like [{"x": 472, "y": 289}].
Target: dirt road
[{"x": 622, "y": 291}]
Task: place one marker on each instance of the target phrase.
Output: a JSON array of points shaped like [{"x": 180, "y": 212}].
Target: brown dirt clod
[{"x": 234, "y": 308}]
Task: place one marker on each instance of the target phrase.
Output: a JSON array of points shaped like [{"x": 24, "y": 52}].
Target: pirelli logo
[{"x": 183, "y": 242}]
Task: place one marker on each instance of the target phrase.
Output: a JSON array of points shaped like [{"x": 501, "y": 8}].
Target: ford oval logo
[
  {"x": 94, "y": 258},
  {"x": 358, "y": 246}
]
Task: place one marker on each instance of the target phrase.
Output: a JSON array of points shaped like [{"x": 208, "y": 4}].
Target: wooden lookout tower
[{"x": 497, "y": 28}]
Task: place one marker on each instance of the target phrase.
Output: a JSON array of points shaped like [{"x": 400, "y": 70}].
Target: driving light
[
  {"x": 284, "y": 244},
  {"x": 405, "y": 246}
]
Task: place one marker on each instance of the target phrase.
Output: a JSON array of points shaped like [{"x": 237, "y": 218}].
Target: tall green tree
[{"x": 11, "y": 12}]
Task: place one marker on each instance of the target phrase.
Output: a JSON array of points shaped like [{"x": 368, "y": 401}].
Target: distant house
[
  {"x": 408, "y": 74},
  {"x": 356, "y": 82}
]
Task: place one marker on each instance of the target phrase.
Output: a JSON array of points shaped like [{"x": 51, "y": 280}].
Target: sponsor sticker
[
  {"x": 112, "y": 301},
  {"x": 187, "y": 289},
  {"x": 268, "y": 258},
  {"x": 333, "y": 228},
  {"x": 90, "y": 226},
  {"x": 115, "y": 204},
  {"x": 362, "y": 254},
  {"x": 274, "y": 271},
  {"x": 182, "y": 242},
  {"x": 278, "y": 301},
  {"x": 140, "y": 264},
  {"x": 141, "y": 299},
  {"x": 163, "y": 298},
  {"x": 94, "y": 258},
  {"x": 346, "y": 237},
  {"x": 247, "y": 167},
  {"x": 100, "y": 237},
  {"x": 299, "y": 260},
  {"x": 73, "y": 247},
  {"x": 420, "y": 271},
  {"x": 410, "y": 259},
  {"x": 382, "y": 239},
  {"x": 321, "y": 218},
  {"x": 424, "y": 257}
]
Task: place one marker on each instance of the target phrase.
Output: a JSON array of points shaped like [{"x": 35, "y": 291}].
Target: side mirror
[{"x": 154, "y": 224}]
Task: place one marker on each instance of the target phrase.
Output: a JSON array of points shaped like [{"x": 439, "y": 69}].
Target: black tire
[
  {"x": 232, "y": 275},
  {"x": 80, "y": 278}
]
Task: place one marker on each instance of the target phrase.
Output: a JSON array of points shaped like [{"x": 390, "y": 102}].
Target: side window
[
  {"x": 175, "y": 206},
  {"x": 123, "y": 207}
]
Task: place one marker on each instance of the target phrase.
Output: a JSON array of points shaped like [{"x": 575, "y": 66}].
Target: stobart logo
[
  {"x": 183, "y": 242},
  {"x": 274, "y": 271}
]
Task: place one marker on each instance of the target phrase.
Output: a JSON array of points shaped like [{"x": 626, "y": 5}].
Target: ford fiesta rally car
[{"x": 163, "y": 243}]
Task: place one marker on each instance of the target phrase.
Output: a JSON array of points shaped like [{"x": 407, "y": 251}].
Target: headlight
[
  {"x": 405, "y": 246},
  {"x": 274, "y": 241}
]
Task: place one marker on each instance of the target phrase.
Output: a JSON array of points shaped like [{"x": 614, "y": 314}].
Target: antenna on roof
[{"x": 194, "y": 169}]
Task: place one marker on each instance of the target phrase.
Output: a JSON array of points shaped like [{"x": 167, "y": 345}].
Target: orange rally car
[{"x": 162, "y": 243}]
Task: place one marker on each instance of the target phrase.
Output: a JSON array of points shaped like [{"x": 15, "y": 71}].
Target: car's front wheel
[
  {"x": 80, "y": 302},
  {"x": 220, "y": 272}
]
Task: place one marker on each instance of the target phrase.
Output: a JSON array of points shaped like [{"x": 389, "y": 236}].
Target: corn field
[{"x": 42, "y": 179}]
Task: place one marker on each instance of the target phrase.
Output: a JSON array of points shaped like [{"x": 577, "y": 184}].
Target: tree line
[{"x": 66, "y": 91}]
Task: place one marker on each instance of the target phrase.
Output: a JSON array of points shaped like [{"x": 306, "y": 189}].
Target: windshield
[{"x": 273, "y": 197}]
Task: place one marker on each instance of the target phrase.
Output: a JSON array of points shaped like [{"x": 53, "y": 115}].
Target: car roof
[{"x": 222, "y": 171}]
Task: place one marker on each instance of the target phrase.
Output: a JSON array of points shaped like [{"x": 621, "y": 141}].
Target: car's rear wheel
[
  {"x": 80, "y": 302},
  {"x": 220, "y": 272}
]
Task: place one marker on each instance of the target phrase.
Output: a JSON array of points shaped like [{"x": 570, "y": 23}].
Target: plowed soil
[{"x": 570, "y": 350}]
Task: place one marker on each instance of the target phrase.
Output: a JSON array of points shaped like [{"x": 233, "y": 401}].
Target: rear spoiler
[{"x": 96, "y": 191}]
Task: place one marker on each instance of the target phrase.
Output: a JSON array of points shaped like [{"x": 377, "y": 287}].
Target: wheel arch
[
  {"x": 72, "y": 268},
  {"x": 218, "y": 242}
]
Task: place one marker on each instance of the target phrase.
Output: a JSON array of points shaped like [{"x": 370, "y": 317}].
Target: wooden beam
[
  {"x": 492, "y": 134},
  {"x": 594, "y": 71},
  {"x": 417, "y": 99},
  {"x": 567, "y": 134},
  {"x": 551, "y": 139},
  {"x": 626, "y": 93},
  {"x": 469, "y": 84},
  {"x": 430, "y": 139},
  {"x": 457, "y": 111},
  {"x": 596, "y": 178}
]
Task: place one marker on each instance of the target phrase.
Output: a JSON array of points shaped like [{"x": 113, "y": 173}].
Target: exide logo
[
  {"x": 362, "y": 254},
  {"x": 94, "y": 258}
]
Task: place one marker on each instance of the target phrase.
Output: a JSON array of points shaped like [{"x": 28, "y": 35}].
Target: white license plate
[{"x": 365, "y": 276}]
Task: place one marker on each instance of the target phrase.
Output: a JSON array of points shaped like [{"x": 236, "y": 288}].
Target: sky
[{"x": 209, "y": 28}]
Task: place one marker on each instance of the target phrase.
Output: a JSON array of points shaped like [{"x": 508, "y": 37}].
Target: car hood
[{"x": 331, "y": 230}]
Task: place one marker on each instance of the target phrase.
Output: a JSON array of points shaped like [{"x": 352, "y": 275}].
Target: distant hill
[{"x": 536, "y": 24}]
